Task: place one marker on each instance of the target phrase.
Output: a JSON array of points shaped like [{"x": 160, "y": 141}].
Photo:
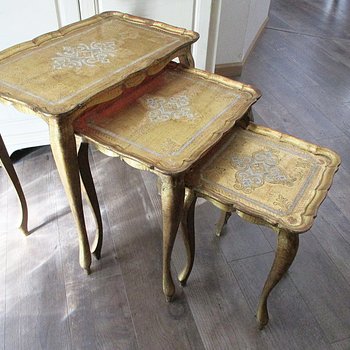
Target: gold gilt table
[
  {"x": 108, "y": 79},
  {"x": 59, "y": 75},
  {"x": 165, "y": 125}
]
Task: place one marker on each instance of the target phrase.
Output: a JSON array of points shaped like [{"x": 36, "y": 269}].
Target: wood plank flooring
[{"x": 302, "y": 66}]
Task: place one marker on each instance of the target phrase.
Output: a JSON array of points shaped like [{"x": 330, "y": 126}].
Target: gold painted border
[
  {"x": 112, "y": 90},
  {"x": 164, "y": 167},
  {"x": 319, "y": 193}
]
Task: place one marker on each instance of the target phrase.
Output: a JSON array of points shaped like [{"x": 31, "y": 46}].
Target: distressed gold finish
[
  {"x": 64, "y": 151},
  {"x": 7, "y": 164},
  {"x": 267, "y": 178},
  {"x": 168, "y": 122},
  {"x": 139, "y": 47},
  {"x": 172, "y": 194},
  {"x": 187, "y": 60},
  {"x": 287, "y": 247},
  {"x": 165, "y": 125},
  {"x": 59, "y": 75}
]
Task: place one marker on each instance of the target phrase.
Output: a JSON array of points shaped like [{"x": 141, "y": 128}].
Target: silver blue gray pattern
[
  {"x": 255, "y": 170},
  {"x": 84, "y": 55},
  {"x": 160, "y": 109}
]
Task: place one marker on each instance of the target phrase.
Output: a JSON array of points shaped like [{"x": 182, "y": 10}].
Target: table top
[
  {"x": 62, "y": 70},
  {"x": 267, "y": 174},
  {"x": 170, "y": 120}
]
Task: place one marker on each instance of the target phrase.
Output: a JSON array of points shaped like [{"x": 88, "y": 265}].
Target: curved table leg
[
  {"x": 250, "y": 114},
  {"x": 287, "y": 247},
  {"x": 88, "y": 183},
  {"x": 6, "y": 162},
  {"x": 173, "y": 191},
  {"x": 64, "y": 151},
  {"x": 224, "y": 216},
  {"x": 187, "y": 59},
  {"x": 188, "y": 232}
]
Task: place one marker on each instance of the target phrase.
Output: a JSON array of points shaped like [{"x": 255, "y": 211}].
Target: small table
[
  {"x": 165, "y": 125},
  {"x": 59, "y": 75}
]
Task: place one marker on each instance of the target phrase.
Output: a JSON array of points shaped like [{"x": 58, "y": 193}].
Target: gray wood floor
[{"x": 302, "y": 67}]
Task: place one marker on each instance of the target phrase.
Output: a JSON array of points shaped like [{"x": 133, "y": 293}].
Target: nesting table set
[{"x": 109, "y": 81}]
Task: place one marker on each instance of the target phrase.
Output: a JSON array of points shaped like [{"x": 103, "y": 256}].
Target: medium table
[
  {"x": 59, "y": 75},
  {"x": 165, "y": 125}
]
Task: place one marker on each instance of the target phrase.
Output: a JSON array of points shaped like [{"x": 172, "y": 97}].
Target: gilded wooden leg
[
  {"x": 173, "y": 191},
  {"x": 88, "y": 183},
  {"x": 250, "y": 114},
  {"x": 224, "y": 216},
  {"x": 246, "y": 119},
  {"x": 187, "y": 59},
  {"x": 7, "y": 163},
  {"x": 159, "y": 186},
  {"x": 187, "y": 226},
  {"x": 63, "y": 147},
  {"x": 287, "y": 247}
]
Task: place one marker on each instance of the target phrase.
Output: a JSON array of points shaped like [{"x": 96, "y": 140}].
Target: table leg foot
[
  {"x": 24, "y": 229},
  {"x": 169, "y": 299}
]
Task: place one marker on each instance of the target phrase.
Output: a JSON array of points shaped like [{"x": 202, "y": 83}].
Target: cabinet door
[
  {"x": 189, "y": 14},
  {"x": 22, "y": 20}
]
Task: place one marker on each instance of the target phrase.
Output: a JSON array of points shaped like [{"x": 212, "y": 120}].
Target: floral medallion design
[
  {"x": 161, "y": 109},
  {"x": 84, "y": 55},
  {"x": 256, "y": 170}
]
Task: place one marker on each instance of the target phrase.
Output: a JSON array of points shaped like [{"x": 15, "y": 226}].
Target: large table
[
  {"x": 60, "y": 74},
  {"x": 80, "y": 71}
]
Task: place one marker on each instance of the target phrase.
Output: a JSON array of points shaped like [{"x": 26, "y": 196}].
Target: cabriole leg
[
  {"x": 188, "y": 232},
  {"x": 287, "y": 247},
  {"x": 64, "y": 151},
  {"x": 173, "y": 191},
  {"x": 8, "y": 166},
  {"x": 224, "y": 216},
  {"x": 88, "y": 183},
  {"x": 187, "y": 59}
]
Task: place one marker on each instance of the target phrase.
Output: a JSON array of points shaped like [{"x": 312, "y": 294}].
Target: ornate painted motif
[
  {"x": 84, "y": 55},
  {"x": 160, "y": 109},
  {"x": 282, "y": 202},
  {"x": 256, "y": 170}
]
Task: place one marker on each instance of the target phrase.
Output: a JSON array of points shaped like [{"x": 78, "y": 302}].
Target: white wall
[
  {"x": 198, "y": 15},
  {"x": 23, "y": 20},
  {"x": 258, "y": 12},
  {"x": 239, "y": 25}
]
